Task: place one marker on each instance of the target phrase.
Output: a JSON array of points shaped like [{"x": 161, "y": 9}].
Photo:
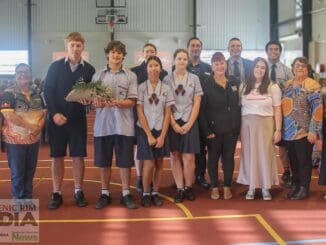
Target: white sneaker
[
  {"x": 266, "y": 195},
  {"x": 250, "y": 195}
]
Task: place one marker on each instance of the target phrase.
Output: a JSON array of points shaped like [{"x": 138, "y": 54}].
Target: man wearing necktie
[
  {"x": 279, "y": 73},
  {"x": 238, "y": 67}
]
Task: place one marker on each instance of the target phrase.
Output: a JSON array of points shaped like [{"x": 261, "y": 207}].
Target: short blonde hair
[{"x": 74, "y": 36}]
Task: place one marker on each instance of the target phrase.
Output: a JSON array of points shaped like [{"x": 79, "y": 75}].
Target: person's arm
[
  {"x": 203, "y": 118},
  {"x": 193, "y": 115},
  {"x": 166, "y": 122},
  {"x": 144, "y": 124},
  {"x": 278, "y": 124},
  {"x": 316, "y": 109}
]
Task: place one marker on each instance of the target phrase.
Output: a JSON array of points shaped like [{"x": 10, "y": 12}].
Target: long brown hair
[{"x": 252, "y": 80}]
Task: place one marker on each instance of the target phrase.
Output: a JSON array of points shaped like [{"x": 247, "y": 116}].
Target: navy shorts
[
  {"x": 74, "y": 135},
  {"x": 147, "y": 152},
  {"x": 187, "y": 143},
  {"x": 123, "y": 151}
]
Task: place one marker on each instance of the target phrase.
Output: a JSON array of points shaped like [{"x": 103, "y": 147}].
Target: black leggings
[{"x": 223, "y": 144}]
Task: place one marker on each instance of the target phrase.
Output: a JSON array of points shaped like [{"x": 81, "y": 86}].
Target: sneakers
[
  {"x": 103, "y": 201},
  {"x": 128, "y": 201},
  {"x": 266, "y": 195},
  {"x": 157, "y": 200},
  {"x": 146, "y": 201},
  {"x": 56, "y": 201},
  {"x": 227, "y": 193},
  {"x": 215, "y": 193},
  {"x": 189, "y": 194},
  {"x": 80, "y": 199},
  {"x": 250, "y": 195},
  {"x": 179, "y": 196}
]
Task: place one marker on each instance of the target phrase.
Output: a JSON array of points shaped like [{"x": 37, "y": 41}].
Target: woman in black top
[{"x": 220, "y": 123}]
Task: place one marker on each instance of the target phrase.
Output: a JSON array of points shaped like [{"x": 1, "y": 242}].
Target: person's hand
[
  {"x": 186, "y": 127},
  {"x": 312, "y": 137},
  {"x": 159, "y": 142},
  {"x": 98, "y": 103},
  {"x": 151, "y": 140},
  {"x": 277, "y": 136},
  {"x": 84, "y": 101},
  {"x": 59, "y": 119},
  {"x": 110, "y": 103},
  {"x": 176, "y": 127},
  {"x": 210, "y": 136}
]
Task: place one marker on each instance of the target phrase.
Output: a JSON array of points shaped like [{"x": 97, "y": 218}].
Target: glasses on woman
[
  {"x": 180, "y": 90},
  {"x": 153, "y": 99}
]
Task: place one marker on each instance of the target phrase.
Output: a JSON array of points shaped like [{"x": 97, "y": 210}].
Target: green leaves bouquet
[{"x": 89, "y": 91}]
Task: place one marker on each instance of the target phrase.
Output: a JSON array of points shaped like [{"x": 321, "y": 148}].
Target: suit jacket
[{"x": 246, "y": 67}]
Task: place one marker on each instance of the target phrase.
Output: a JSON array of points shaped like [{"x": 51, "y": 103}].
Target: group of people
[{"x": 196, "y": 108}]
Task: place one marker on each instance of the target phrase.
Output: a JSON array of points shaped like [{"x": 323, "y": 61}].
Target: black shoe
[
  {"x": 200, "y": 181},
  {"x": 189, "y": 194},
  {"x": 179, "y": 196},
  {"x": 157, "y": 200},
  {"x": 56, "y": 201},
  {"x": 146, "y": 201},
  {"x": 139, "y": 185},
  {"x": 294, "y": 189},
  {"x": 80, "y": 199},
  {"x": 128, "y": 201},
  {"x": 103, "y": 201},
  {"x": 286, "y": 178},
  {"x": 302, "y": 193}
]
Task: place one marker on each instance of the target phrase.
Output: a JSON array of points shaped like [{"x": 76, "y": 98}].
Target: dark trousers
[
  {"x": 222, "y": 145},
  {"x": 300, "y": 154},
  {"x": 22, "y": 161},
  {"x": 200, "y": 160}
]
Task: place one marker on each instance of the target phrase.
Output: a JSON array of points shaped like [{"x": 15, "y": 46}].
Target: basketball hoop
[{"x": 111, "y": 23}]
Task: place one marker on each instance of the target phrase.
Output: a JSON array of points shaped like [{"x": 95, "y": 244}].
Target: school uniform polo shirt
[
  {"x": 116, "y": 120},
  {"x": 154, "y": 106},
  {"x": 184, "y": 98}
]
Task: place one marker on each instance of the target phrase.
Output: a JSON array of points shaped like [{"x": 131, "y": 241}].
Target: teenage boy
[
  {"x": 67, "y": 120},
  {"x": 114, "y": 124}
]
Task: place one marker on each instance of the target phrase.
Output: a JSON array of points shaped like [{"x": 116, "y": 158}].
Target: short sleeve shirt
[
  {"x": 154, "y": 102},
  {"x": 32, "y": 110},
  {"x": 255, "y": 103},
  {"x": 116, "y": 120},
  {"x": 184, "y": 92}
]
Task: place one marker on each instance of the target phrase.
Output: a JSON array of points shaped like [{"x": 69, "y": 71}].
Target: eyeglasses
[
  {"x": 153, "y": 99},
  {"x": 23, "y": 72},
  {"x": 300, "y": 66},
  {"x": 180, "y": 90}
]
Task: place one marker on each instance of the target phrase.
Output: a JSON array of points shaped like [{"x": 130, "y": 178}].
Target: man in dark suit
[
  {"x": 202, "y": 70},
  {"x": 238, "y": 67}
]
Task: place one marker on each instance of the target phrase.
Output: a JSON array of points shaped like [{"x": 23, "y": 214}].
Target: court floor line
[
  {"x": 309, "y": 241},
  {"x": 181, "y": 206},
  {"x": 270, "y": 230}
]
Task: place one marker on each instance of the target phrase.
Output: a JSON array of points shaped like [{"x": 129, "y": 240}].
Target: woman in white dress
[{"x": 261, "y": 124}]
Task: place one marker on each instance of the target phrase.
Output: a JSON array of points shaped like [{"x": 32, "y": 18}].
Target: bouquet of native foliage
[{"x": 89, "y": 91}]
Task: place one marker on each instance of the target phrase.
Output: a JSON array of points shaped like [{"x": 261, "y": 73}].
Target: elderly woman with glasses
[
  {"x": 302, "y": 119},
  {"x": 154, "y": 112},
  {"x": 184, "y": 133}
]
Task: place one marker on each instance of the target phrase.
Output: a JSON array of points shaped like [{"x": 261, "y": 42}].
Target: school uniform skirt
[
  {"x": 185, "y": 143},
  {"x": 258, "y": 166},
  {"x": 147, "y": 152}
]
